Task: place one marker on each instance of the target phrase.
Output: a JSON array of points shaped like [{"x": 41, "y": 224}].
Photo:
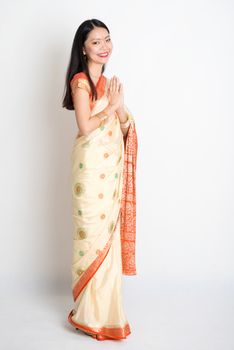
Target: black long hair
[{"x": 78, "y": 61}]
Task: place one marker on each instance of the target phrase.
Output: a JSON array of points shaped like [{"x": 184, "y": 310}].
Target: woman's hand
[{"x": 115, "y": 93}]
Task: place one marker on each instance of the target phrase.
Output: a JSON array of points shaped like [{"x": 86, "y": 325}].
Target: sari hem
[
  {"x": 129, "y": 273},
  {"x": 117, "y": 333}
]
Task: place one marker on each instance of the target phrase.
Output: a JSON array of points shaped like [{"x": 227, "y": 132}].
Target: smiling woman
[{"x": 103, "y": 164}]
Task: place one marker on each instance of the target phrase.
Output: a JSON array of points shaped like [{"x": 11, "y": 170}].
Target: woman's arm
[
  {"x": 123, "y": 118},
  {"x": 121, "y": 112},
  {"x": 85, "y": 122}
]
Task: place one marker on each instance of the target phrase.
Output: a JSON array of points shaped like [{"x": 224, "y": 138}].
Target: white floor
[{"x": 163, "y": 315}]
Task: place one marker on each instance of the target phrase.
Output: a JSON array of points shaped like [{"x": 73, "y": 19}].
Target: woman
[{"x": 103, "y": 187}]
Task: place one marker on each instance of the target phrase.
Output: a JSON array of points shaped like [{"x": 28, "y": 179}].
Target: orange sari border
[
  {"x": 116, "y": 333},
  {"x": 88, "y": 274},
  {"x": 128, "y": 203}
]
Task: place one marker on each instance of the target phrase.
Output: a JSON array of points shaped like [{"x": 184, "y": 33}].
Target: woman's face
[{"x": 98, "y": 45}]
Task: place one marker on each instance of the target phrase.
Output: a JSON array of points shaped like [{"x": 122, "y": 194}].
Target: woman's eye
[{"x": 97, "y": 42}]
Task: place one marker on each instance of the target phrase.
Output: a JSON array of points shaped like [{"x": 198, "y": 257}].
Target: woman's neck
[{"x": 95, "y": 71}]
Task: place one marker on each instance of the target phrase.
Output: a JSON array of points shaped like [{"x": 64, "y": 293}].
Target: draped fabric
[{"x": 103, "y": 179}]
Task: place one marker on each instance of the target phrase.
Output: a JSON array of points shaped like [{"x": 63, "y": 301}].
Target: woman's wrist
[
  {"x": 125, "y": 125},
  {"x": 110, "y": 109},
  {"x": 123, "y": 116},
  {"x": 105, "y": 113}
]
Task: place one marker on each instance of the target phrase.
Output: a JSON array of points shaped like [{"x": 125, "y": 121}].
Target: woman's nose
[{"x": 105, "y": 46}]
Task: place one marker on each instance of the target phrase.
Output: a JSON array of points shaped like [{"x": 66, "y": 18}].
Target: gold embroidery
[
  {"x": 79, "y": 189},
  {"x": 80, "y": 271},
  {"x": 80, "y": 83},
  {"x": 81, "y": 233},
  {"x": 111, "y": 226}
]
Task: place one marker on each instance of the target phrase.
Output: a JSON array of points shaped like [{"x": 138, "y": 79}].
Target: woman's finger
[
  {"x": 111, "y": 84},
  {"x": 117, "y": 83},
  {"x": 114, "y": 83}
]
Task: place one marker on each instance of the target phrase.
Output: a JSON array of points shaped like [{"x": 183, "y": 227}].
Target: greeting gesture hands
[{"x": 115, "y": 93}]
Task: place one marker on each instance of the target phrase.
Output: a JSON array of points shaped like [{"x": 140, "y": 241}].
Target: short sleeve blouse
[{"x": 80, "y": 80}]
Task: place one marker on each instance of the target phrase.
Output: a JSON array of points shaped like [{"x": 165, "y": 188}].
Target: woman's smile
[{"x": 105, "y": 54}]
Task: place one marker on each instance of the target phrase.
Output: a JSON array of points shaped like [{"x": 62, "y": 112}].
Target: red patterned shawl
[{"x": 128, "y": 203}]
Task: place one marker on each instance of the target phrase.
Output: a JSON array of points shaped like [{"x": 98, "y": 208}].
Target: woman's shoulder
[
  {"x": 79, "y": 75},
  {"x": 79, "y": 80}
]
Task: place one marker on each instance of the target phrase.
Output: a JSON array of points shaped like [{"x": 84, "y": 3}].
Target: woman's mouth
[{"x": 104, "y": 54}]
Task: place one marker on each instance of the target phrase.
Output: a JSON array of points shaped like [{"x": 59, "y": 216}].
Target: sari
[{"x": 103, "y": 182}]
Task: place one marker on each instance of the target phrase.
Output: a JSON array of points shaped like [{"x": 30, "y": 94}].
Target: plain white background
[{"x": 175, "y": 59}]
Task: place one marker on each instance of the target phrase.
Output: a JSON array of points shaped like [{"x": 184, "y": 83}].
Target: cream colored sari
[{"x": 104, "y": 211}]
